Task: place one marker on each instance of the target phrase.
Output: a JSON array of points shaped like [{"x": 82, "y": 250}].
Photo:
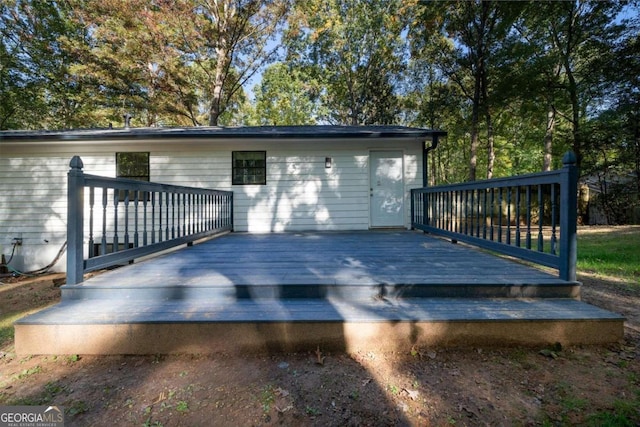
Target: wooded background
[{"x": 515, "y": 84}]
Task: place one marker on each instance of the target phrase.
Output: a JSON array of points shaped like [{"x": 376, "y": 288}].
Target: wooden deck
[{"x": 343, "y": 290}]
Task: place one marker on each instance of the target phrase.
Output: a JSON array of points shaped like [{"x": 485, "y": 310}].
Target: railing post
[
  {"x": 75, "y": 222},
  {"x": 413, "y": 208},
  {"x": 568, "y": 217},
  {"x": 231, "y": 221}
]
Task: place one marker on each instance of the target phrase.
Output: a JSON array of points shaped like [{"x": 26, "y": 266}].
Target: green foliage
[
  {"x": 619, "y": 202},
  {"x": 182, "y": 406},
  {"x": 150, "y": 423},
  {"x": 515, "y": 84},
  {"x": 286, "y": 96},
  {"x": 625, "y": 413},
  {"x": 355, "y": 49},
  {"x": 76, "y": 407},
  {"x": 39, "y": 89},
  {"x": 25, "y": 373},
  {"x": 312, "y": 412},
  {"x": 267, "y": 398}
]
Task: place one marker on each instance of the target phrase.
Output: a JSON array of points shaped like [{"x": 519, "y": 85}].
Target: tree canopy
[{"x": 515, "y": 84}]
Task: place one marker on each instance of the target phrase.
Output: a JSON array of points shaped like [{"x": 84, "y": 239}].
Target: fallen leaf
[
  {"x": 319, "y": 357},
  {"x": 281, "y": 392},
  {"x": 160, "y": 398},
  {"x": 285, "y": 409},
  {"x": 414, "y": 351},
  {"x": 549, "y": 353},
  {"x": 413, "y": 394}
]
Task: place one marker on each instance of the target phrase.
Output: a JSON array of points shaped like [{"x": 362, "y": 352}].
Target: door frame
[{"x": 403, "y": 198}]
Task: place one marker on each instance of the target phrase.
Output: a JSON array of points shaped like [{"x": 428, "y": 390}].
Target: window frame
[
  {"x": 238, "y": 178},
  {"x": 145, "y": 178}
]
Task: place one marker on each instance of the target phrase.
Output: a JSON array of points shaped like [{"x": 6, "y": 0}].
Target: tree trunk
[
  {"x": 551, "y": 117},
  {"x": 490, "y": 146},
  {"x": 636, "y": 139},
  {"x": 475, "y": 118},
  {"x": 216, "y": 102},
  {"x": 433, "y": 169},
  {"x": 575, "y": 115},
  {"x": 491, "y": 155},
  {"x": 480, "y": 89},
  {"x": 548, "y": 138},
  {"x": 473, "y": 157}
]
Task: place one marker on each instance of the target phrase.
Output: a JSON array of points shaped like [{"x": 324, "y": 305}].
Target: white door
[{"x": 387, "y": 189}]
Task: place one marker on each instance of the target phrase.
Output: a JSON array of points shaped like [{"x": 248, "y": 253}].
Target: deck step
[
  {"x": 212, "y": 326},
  {"x": 551, "y": 288}
]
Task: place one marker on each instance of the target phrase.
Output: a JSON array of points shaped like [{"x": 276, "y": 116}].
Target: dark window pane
[
  {"x": 132, "y": 166},
  {"x": 249, "y": 167}
]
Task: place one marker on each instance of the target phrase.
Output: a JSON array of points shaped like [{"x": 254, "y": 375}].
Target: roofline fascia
[{"x": 132, "y": 134}]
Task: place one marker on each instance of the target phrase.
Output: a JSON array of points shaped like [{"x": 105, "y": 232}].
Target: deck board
[
  {"x": 334, "y": 258},
  {"x": 323, "y": 310}
]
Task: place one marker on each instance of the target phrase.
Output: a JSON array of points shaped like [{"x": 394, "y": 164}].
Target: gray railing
[
  {"x": 531, "y": 217},
  {"x": 126, "y": 219}
]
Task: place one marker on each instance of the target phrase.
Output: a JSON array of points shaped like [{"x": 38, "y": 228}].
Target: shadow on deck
[{"x": 387, "y": 290}]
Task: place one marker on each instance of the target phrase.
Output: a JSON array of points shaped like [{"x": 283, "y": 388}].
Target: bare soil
[{"x": 584, "y": 385}]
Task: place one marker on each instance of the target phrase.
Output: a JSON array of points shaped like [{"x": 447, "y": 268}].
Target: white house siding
[
  {"x": 33, "y": 202},
  {"x": 300, "y": 194}
]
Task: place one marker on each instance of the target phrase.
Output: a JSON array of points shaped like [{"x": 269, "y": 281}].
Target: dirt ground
[{"x": 592, "y": 385}]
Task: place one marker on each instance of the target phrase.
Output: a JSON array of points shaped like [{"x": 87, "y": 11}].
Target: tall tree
[
  {"x": 237, "y": 35},
  {"x": 461, "y": 37},
  {"x": 356, "y": 49},
  {"x": 537, "y": 73},
  {"x": 612, "y": 134},
  {"x": 286, "y": 96},
  {"x": 39, "y": 68},
  {"x": 135, "y": 60},
  {"x": 581, "y": 34},
  {"x": 13, "y": 84},
  {"x": 177, "y": 60}
]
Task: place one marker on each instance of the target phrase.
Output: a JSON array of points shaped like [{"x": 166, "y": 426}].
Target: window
[
  {"x": 249, "y": 167},
  {"x": 132, "y": 166}
]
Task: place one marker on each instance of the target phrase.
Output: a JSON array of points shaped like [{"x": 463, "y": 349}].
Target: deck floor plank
[
  {"x": 334, "y": 258},
  {"x": 327, "y": 310}
]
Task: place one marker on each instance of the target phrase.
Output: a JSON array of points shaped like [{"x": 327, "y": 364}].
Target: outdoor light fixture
[{"x": 327, "y": 162}]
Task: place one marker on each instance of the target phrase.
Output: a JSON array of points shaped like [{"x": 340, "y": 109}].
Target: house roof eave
[{"x": 217, "y": 133}]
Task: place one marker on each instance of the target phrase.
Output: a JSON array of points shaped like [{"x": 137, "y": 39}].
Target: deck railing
[
  {"x": 531, "y": 217},
  {"x": 127, "y": 219}
]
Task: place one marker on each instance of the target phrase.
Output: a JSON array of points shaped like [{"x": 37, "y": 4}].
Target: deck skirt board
[{"x": 342, "y": 290}]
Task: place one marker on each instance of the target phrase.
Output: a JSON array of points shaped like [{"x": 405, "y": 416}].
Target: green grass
[
  {"x": 6, "y": 327},
  {"x": 624, "y": 414},
  {"x": 610, "y": 252}
]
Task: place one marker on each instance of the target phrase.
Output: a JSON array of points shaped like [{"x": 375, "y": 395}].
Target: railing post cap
[
  {"x": 569, "y": 158},
  {"x": 76, "y": 163}
]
